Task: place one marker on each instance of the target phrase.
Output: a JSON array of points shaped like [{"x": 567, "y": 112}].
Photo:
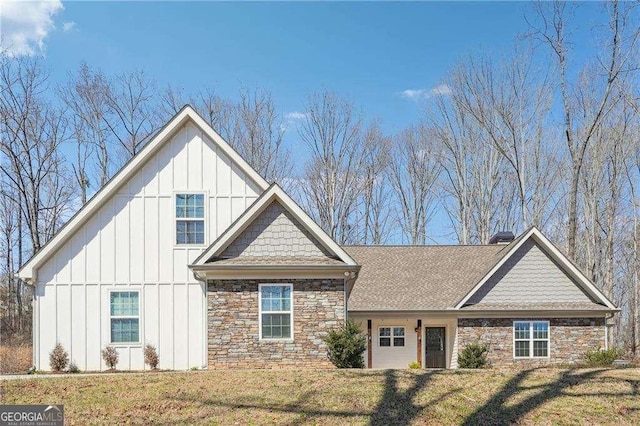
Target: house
[{"x": 191, "y": 250}]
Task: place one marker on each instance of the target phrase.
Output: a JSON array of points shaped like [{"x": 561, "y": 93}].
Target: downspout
[
  {"x": 606, "y": 331},
  {"x": 345, "y": 283},
  {"x": 349, "y": 279},
  {"x": 205, "y": 325},
  {"x": 35, "y": 329}
]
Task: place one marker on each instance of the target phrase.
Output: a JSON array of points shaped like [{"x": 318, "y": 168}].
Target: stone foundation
[
  {"x": 233, "y": 335},
  {"x": 569, "y": 339}
]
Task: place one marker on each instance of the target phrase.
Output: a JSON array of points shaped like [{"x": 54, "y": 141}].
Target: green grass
[{"x": 548, "y": 396}]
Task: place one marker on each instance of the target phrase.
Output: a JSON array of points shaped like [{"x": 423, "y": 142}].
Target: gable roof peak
[
  {"x": 273, "y": 193},
  {"x": 563, "y": 262},
  {"x": 186, "y": 114}
]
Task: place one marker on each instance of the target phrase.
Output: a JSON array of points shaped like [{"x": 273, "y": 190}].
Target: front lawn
[{"x": 340, "y": 396}]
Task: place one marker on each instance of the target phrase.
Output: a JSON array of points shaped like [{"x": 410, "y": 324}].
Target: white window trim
[
  {"x": 191, "y": 219},
  {"x": 269, "y": 339},
  {"x": 138, "y": 317},
  {"x": 531, "y": 339},
  {"x": 391, "y": 336}
]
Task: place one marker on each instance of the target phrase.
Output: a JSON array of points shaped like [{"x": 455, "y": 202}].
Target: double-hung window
[
  {"x": 125, "y": 316},
  {"x": 189, "y": 218},
  {"x": 276, "y": 311},
  {"x": 531, "y": 339},
  {"x": 391, "y": 336}
]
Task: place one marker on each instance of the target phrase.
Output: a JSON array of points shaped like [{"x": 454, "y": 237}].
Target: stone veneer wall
[
  {"x": 569, "y": 339},
  {"x": 233, "y": 335}
]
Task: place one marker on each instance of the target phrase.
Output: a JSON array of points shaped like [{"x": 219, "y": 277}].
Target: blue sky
[{"x": 368, "y": 52}]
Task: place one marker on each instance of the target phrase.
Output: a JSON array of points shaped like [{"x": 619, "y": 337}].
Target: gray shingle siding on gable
[
  {"x": 275, "y": 233},
  {"x": 529, "y": 276}
]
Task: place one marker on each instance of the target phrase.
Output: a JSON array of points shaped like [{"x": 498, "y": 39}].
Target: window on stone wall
[
  {"x": 276, "y": 311},
  {"x": 391, "y": 336},
  {"x": 189, "y": 218},
  {"x": 531, "y": 339},
  {"x": 125, "y": 317}
]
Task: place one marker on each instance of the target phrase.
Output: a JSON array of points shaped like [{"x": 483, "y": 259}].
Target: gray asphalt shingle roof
[{"x": 412, "y": 278}]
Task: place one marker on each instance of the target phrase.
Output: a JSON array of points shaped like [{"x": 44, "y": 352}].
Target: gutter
[
  {"x": 272, "y": 267},
  {"x": 477, "y": 314}
]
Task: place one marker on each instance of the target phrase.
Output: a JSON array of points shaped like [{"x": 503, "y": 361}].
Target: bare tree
[
  {"x": 32, "y": 132},
  {"x": 257, "y": 136},
  {"x": 133, "y": 110},
  {"x": 31, "y": 169},
  {"x": 10, "y": 252},
  {"x": 376, "y": 206},
  {"x": 414, "y": 172},
  {"x": 632, "y": 174},
  {"x": 611, "y": 219},
  {"x": 614, "y": 63},
  {"x": 510, "y": 102},
  {"x": 476, "y": 193},
  {"x": 85, "y": 94},
  {"x": 172, "y": 100},
  {"x": 218, "y": 112},
  {"x": 333, "y": 176}
]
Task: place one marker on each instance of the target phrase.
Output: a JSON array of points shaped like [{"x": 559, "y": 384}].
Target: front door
[{"x": 435, "y": 348}]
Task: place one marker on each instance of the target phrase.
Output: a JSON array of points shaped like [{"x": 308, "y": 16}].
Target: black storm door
[{"x": 435, "y": 348}]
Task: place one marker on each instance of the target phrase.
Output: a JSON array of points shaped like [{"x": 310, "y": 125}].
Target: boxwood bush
[
  {"x": 602, "y": 357},
  {"x": 346, "y": 346},
  {"x": 474, "y": 355}
]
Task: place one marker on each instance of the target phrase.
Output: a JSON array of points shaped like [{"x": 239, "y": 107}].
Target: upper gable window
[{"x": 189, "y": 218}]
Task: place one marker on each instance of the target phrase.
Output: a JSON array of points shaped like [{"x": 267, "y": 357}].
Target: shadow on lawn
[
  {"x": 398, "y": 407},
  {"x": 395, "y": 406},
  {"x": 497, "y": 412}
]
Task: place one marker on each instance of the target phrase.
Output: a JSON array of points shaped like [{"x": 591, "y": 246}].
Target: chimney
[{"x": 504, "y": 237}]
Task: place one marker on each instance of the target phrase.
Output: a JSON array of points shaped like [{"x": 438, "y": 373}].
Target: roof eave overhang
[
  {"x": 550, "y": 313},
  {"x": 213, "y": 271}
]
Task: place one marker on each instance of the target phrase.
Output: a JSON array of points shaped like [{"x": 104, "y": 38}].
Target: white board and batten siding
[{"x": 130, "y": 244}]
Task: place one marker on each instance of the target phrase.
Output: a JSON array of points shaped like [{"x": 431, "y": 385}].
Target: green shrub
[
  {"x": 58, "y": 358},
  {"x": 346, "y": 346},
  {"x": 602, "y": 357},
  {"x": 110, "y": 356},
  {"x": 474, "y": 355},
  {"x": 73, "y": 367},
  {"x": 414, "y": 365},
  {"x": 151, "y": 357}
]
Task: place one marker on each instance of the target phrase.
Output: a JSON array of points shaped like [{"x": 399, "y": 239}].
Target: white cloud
[
  {"x": 68, "y": 26},
  {"x": 295, "y": 115},
  {"x": 24, "y": 25},
  {"x": 413, "y": 93},
  {"x": 440, "y": 90},
  {"x": 291, "y": 119}
]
